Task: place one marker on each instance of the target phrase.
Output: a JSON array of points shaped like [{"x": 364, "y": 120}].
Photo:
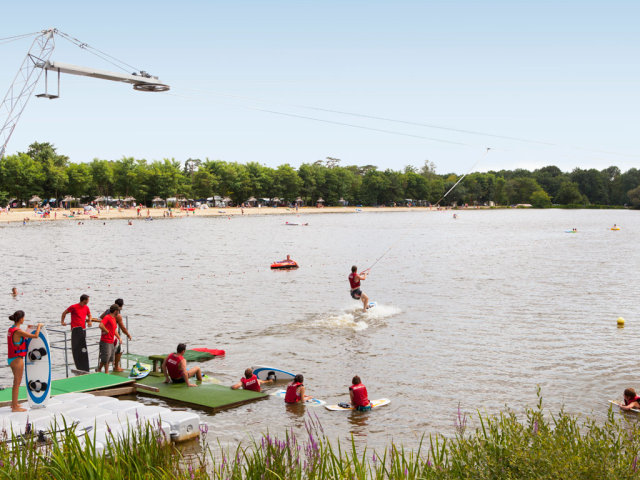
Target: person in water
[
  {"x": 631, "y": 400},
  {"x": 250, "y": 381},
  {"x": 109, "y": 329},
  {"x": 358, "y": 395},
  {"x": 354, "y": 282},
  {"x": 295, "y": 391},
  {"x": 175, "y": 370},
  {"x": 14, "y": 292},
  {"x": 17, "y": 345},
  {"x": 117, "y": 354}
]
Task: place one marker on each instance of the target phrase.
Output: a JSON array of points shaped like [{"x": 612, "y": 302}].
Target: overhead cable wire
[
  {"x": 18, "y": 37},
  {"x": 462, "y": 177},
  {"x": 428, "y": 125},
  {"x": 99, "y": 53}
]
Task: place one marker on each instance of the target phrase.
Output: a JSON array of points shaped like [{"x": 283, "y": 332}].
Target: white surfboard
[
  {"x": 37, "y": 371},
  {"x": 634, "y": 410},
  {"x": 374, "y": 404},
  {"x": 314, "y": 402},
  {"x": 263, "y": 372}
]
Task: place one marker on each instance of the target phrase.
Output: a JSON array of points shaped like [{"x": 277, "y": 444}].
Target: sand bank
[{"x": 22, "y": 214}]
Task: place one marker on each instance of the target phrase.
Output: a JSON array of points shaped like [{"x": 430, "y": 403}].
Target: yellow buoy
[{"x": 620, "y": 322}]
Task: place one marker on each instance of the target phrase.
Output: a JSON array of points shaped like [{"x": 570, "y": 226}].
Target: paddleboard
[
  {"x": 139, "y": 371},
  {"x": 374, "y": 404},
  {"x": 570, "y": 231},
  {"x": 314, "y": 402},
  {"x": 263, "y": 372},
  {"x": 634, "y": 410},
  {"x": 79, "y": 348},
  {"x": 37, "y": 371}
]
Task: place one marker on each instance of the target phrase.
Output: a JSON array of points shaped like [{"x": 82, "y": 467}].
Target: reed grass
[{"x": 503, "y": 446}]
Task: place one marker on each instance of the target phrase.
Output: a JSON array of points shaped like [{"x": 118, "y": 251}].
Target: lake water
[{"x": 474, "y": 311}]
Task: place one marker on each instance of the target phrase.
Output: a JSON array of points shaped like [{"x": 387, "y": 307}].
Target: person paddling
[
  {"x": 250, "y": 381},
  {"x": 295, "y": 391},
  {"x": 354, "y": 282},
  {"x": 358, "y": 395},
  {"x": 631, "y": 400},
  {"x": 17, "y": 351},
  {"x": 175, "y": 370}
]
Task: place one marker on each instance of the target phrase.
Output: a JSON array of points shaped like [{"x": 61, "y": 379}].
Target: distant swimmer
[
  {"x": 295, "y": 391},
  {"x": 250, "y": 381},
  {"x": 14, "y": 292},
  {"x": 356, "y": 293},
  {"x": 631, "y": 400}
]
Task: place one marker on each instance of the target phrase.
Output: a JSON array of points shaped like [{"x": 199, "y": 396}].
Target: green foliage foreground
[{"x": 540, "y": 447}]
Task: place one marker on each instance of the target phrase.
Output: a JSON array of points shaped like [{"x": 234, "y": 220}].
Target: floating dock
[
  {"x": 82, "y": 383},
  {"x": 205, "y": 395},
  {"x": 99, "y": 418}
]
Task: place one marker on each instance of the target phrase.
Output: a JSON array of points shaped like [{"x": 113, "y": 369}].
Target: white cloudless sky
[{"x": 264, "y": 81}]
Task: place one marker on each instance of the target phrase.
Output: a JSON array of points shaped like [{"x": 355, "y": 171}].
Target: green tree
[
  {"x": 21, "y": 176},
  {"x": 203, "y": 184},
  {"x": 54, "y": 168},
  {"x": 540, "y": 199},
  {"x": 287, "y": 182},
  {"x": 102, "y": 177},
  {"x": 79, "y": 179},
  {"x": 520, "y": 189},
  {"x": 569, "y": 194},
  {"x": 634, "y": 197}
]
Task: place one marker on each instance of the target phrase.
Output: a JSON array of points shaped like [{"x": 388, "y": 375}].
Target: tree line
[{"x": 42, "y": 171}]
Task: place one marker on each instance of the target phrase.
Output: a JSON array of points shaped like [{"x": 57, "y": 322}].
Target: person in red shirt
[
  {"x": 175, "y": 368},
  {"x": 117, "y": 355},
  {"x": 17, "y": 351},
  {"x": 250, "y": 381},
  {"x": 109, "y": 329},
  {"x": 631, "y": 400},
  {"x": 354, "y": 282},
  {"x": 359, "y": 396},
  {"x": 80, "y": 316}
]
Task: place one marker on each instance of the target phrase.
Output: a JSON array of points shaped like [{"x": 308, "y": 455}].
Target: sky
[{"x": 266, "y": 82}]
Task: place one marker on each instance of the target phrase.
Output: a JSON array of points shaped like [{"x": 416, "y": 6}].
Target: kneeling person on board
[
  {"x": 631, "y": 400},
  {"x": 354, "y": 281},
  {"x": 175, "y": 370},
  {"x": 17, "y": 344},
  {"x": 109, "y": 329},
  {"x": 117, "y": 354},
  {"x": 359, "y": 396},
  {"x": 250, "y": 381},
  {"x": 295, "y": 391}
]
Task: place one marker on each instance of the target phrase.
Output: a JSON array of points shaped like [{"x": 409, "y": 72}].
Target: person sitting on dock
[
  {"x": 175, "y": 370},
  {"x": 117, "y": 355},
  {"x": 295, "y": 391},
  {"x": 250, "y": 381},
  {"x": 358, "y": 394},
  {"x": 109, "y": 329},
  {"x": 631, "y": 400}
]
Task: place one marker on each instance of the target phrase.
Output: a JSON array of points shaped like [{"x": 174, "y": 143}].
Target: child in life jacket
[
  {"x": 295, "y": 391},
  {"x": 631, "y": 400},
  {"x": 359, "y": 396},
  {"x": 17, "y": 351}
]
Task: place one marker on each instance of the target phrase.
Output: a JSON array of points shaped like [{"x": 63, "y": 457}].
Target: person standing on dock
[
  {"x": 80, "y": 316},
  {"x": 175, "y": 370},
  {"x": 17, "y": 345},
  {"x": 121, "y": 329},
  {"x": 109, "y": 329}
]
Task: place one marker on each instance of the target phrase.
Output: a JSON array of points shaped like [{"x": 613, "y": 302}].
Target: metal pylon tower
[{"x": 24, "y": 83}]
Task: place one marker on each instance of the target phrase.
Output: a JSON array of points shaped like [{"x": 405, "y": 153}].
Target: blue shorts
[
  {"x": 363, "y": 409},
  {"x": 9, "y": 360}
]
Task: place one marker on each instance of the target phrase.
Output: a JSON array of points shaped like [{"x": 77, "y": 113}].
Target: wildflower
[
  {"x": 374, "y": 458},
  {"x": 535, "y": 427},
  {"x": 635, "y": 463},
  {"x": 191, "y": 472}
]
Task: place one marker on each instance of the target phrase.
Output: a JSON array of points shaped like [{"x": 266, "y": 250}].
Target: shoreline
[{"x": 22, "y": 214}]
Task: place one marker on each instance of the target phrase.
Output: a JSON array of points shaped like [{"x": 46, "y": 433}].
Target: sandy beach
[{"x": 77, "y": 214}]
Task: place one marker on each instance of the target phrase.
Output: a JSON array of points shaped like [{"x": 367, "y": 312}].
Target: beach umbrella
[
  {"x": 129, "y": 199},
  {"x": 35, "y": 199},
  {"x": 100, "y": 199},
  {"x": 251, "y": 199},
  {"x": 320, "y": 200},
  {"x": 157, "y": 199}
]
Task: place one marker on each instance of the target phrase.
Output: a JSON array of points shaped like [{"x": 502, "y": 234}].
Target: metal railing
[{"x": 63, "y": 343}]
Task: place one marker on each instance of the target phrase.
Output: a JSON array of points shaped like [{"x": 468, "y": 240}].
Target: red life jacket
[
  {"x": 292, "y": 393},
  {"x": 19, "y": 350},
  {"x": 251, "y": 383},
  {"x": 637, "y": 399},
  {"x": 360, "y": 397},
  {"x": 354, "y": 280},
  {"x": 174, "y": 362}
]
